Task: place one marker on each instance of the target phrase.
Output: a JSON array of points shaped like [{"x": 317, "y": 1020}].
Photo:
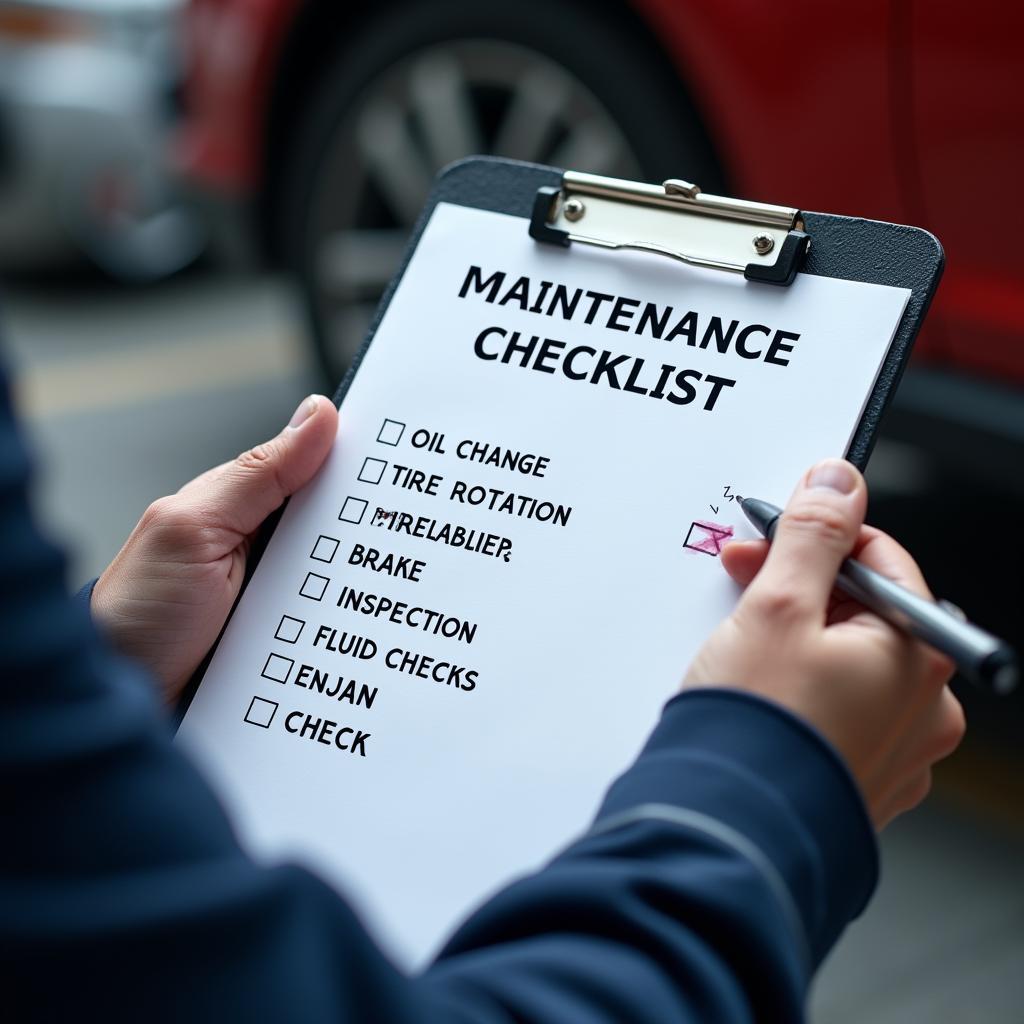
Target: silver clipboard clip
[{"x": 762, "y": 242}]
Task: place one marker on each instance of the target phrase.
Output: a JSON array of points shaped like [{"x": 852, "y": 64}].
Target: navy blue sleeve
[
  {"x": 720, "y": 869},
  {"x": 84, "y": 595}
]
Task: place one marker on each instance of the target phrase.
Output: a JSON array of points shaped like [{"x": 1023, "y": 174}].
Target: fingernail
[
  {"x": 833, "y": 475},
  {"x": 306, "y": 408}
]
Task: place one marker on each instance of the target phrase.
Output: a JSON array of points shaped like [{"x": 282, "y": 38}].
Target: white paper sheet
[{"x": 580, "y": 635}]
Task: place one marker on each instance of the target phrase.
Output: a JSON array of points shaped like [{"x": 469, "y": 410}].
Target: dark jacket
[{"x": 720, "y": 869}]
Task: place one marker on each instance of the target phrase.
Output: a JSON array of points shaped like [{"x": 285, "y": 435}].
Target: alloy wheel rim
[{"x": 438, "y": 104}]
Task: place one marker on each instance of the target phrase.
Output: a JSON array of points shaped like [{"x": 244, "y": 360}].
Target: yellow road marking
[
  {"x": 129, "y": 376},
  {"x": 985, "y": 781}
]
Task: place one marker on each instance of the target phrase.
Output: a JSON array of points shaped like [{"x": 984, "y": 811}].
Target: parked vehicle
[
  {"x": 324, "y": 124},
  {"x": 84, "y": 120}
]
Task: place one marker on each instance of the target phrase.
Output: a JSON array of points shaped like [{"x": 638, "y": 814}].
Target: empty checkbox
[
  {"x": 372, "y": 471},
  {"x": 391, "y": 432},
  {"x": 261, "y": 712},
  {"x": 314, "y": 586},
  {"x": 353, "y": 510},
  {"x": 277, "y": 668},
  {"x": 324, "y": 549},
  {"x": 288, "y": 629}
]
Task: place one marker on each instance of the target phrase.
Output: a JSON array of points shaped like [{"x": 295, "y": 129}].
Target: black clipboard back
[{"x": 826, "y": 245}]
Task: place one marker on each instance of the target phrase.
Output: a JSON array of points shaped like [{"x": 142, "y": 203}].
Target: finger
[
  {"x": 743, "y": 559},
  {"x": 951, "y": 726},
  {"x": 934, "y": 726},
  {"x": 878, "y": 551},
  {"x": 930, "y": 732},
  {"x": 842, "y": 607},
  {"x": 938, "y": 734},
  {"x": 906, "y": 798},
  {"x": 817, "y": 530},
  {"x": 239, "y": 495}
]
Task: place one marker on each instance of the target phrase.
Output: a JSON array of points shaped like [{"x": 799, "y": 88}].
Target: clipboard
[
  {"x": 729, "y": 236},
  {"x": 238, "y": 735}
]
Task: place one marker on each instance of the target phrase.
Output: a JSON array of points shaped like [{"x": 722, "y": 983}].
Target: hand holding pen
[
  {"x": 982, "y": 658},
  {"x": 880, "y": 697}
]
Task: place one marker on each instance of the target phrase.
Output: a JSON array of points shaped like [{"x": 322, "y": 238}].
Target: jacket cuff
[
  {"x": 762, "y": 772},
  {"x": 84, "y": 596}
]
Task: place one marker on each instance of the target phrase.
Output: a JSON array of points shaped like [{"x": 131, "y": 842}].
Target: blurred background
[{"x": 200, "y": 204}]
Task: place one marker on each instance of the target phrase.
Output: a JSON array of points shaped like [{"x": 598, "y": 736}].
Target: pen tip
[{"x": 761, "y": 514}]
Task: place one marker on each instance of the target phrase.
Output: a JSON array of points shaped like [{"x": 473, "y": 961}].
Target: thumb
[
  {"x": 817, "y": 530},
  {"x": 239, "y": 495}
]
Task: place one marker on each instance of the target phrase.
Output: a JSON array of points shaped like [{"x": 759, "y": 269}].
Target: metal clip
[{"x": 764, "y": 243}]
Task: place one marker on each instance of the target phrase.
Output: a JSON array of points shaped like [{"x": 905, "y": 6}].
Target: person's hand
[
  {"x": 166, "y": 596},
  {"x": 880, "y": 697}
]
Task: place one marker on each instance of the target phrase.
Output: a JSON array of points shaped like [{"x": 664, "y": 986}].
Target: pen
[{"x": 982, "y": 658}]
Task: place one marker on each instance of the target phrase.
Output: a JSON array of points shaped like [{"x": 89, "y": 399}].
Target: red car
[{"x": 325, "y": 123}]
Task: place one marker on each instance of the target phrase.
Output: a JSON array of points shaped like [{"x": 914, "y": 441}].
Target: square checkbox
[
  {"x": 353, "y": 510},
  {"x": 707, "y": 537},
  {"x": 261, "y": 712},
  {"x": 372, "y": 471},
  {"x": 288, "y": 629},
  {"x": 391, "y": 432},
  {"x": 325, "y": 548},
  {"x": 277, "y": 668},
  {"x": 314, "y": 586}
]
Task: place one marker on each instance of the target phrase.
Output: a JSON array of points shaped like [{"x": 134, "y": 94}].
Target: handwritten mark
[
  {"x": 714, "y": 508},
  {"x": 706, "y": 537}
]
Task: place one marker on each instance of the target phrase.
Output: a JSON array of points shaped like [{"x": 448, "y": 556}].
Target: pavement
[{"x": 128, "y": 394}]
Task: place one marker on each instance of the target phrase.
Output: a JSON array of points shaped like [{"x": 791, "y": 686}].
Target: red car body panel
[
  {"x": 231, "y": 50},
  {"x": 797, "y": 97},
  {"x": 967, "y": 118},
  {"x": 889, "y": 110}
]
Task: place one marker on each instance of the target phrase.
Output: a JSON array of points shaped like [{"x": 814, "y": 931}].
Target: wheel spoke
[
  {"x": 360, "y": 261},
  {"x": 538, "y": 102},
  {"x": 420, "y": 113},
  {"x": 390, "y": 152},
  {"x": 348, "y": 327},
  {"x": 589, "y": 147},
  {"x": 440, "y": 96}
]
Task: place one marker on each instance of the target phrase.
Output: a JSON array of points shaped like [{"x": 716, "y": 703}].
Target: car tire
[{"x": 423, "y": 84}]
